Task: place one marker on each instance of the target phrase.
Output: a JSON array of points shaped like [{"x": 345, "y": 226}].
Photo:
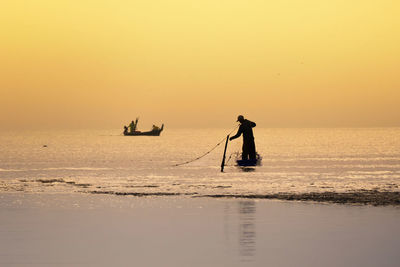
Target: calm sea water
[{"x": 294, "y": 160}]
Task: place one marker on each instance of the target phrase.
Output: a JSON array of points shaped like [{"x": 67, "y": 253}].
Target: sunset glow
[{"x": 186, "y": 63}]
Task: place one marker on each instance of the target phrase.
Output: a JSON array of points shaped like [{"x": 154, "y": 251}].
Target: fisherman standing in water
[{"x": 249, "y": 147}]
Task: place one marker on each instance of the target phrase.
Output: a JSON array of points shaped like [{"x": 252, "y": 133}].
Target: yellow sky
[{"x": 294, "y": 63}]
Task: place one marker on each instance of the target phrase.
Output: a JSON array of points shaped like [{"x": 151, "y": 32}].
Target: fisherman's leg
[
  {"x": 252, "y": 151},
  {"x": 245, "y": 153}
]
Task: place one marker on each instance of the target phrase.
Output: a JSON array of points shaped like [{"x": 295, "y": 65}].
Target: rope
[
  {"x": 230, "y": 156},
  {"x": 205, "y": 154}
]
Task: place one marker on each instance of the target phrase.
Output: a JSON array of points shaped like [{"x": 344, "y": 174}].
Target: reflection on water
[
  {"x": 248, "y": 169},
  {"x": 247, "y": 230},
  {"x": 239, "y": 224},
  {"x": 295, "y": 161}
]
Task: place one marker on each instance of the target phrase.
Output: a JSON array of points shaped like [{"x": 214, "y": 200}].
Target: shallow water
[
  {"x": 103, "y": 230},
  {"x": 294, "y": 160}
]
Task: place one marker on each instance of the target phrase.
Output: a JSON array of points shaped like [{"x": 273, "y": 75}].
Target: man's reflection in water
[{"x": 247, "y": 231}]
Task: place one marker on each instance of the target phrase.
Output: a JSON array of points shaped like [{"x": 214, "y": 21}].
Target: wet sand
[
  {"x": 364, "y": 197},
  {"x": 110, "y": 230}
]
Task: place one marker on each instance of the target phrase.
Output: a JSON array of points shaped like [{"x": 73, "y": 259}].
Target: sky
[{"x": 288, "y": 63}]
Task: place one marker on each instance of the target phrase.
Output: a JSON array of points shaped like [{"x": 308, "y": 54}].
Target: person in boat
[
  {"x": 155, "y": 128},
  {"x": 132, "y": 127},
  {"x": 249, "y": 147},
  {"x": 125, "y": 129}
]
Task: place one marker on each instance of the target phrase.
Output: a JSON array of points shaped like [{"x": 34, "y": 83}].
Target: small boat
[
  {"x": 249, "y": 162},
  {"x": 154, "y": 132}
]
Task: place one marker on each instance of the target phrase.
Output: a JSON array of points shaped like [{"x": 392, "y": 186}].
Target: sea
[{"x": 294, "y": 160}]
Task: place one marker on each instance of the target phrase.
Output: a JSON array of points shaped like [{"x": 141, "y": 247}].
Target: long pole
[{"x": 223, "y": 158}]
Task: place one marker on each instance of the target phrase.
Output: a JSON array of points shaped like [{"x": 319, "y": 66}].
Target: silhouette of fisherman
[
  {"x": 132, "y": 127},
  {"x": 249, "y": 147}
]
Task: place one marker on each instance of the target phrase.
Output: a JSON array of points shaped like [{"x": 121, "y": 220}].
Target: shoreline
[{"x": 363, "y": 197}]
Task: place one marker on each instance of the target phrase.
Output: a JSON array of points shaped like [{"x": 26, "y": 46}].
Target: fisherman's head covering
[{"x": 240, "y": 118}]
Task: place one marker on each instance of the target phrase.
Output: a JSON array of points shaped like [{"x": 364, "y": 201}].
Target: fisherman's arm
[
  {"x": 253, "y": 124},
  {"x": 239, "y": 132}
]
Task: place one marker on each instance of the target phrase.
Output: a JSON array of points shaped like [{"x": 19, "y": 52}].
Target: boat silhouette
[{"x": 153, "y": 132}]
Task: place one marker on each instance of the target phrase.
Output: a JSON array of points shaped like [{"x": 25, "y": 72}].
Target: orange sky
[{"x": 308, "y": 63}]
